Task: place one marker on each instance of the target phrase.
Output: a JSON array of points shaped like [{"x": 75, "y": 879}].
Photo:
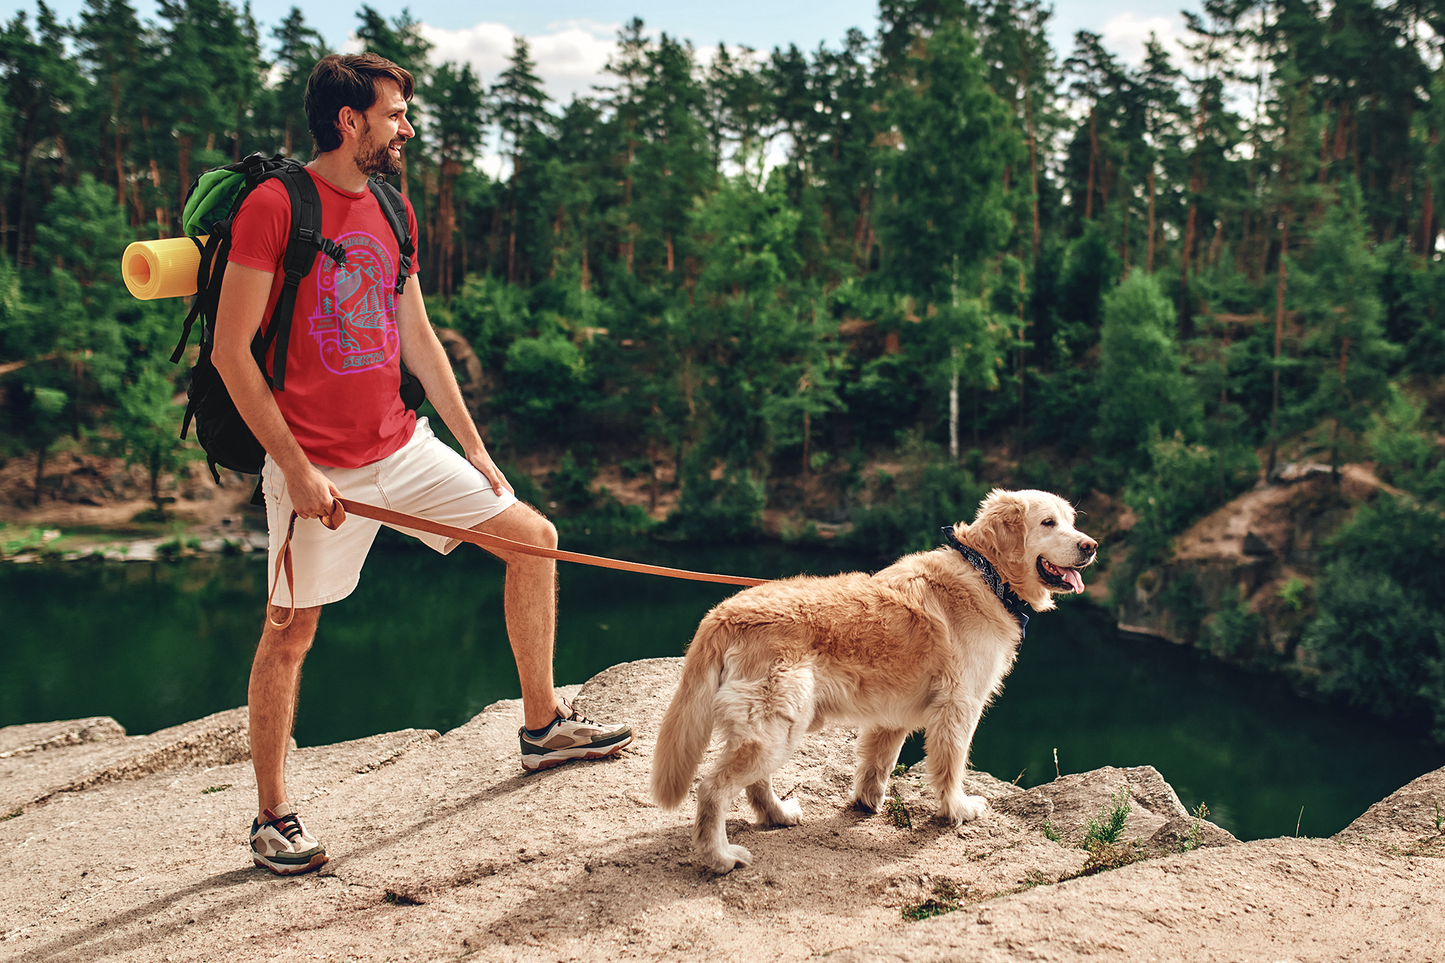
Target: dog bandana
[{"x": 1006, "y": 595}]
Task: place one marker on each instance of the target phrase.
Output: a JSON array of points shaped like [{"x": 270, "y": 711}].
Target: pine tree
[
  {"x": 519, "y": 109},
  {"x": 455, "y": 117},
  {"x": 299, "y": 47}
]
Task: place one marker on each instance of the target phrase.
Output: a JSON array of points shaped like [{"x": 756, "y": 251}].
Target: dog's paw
[
  {"x": 789, "y": 813},
  {"x": 963, "y": 809},
  {"x": 868, "y": 802},
  {"x": 727, "y": 859}
]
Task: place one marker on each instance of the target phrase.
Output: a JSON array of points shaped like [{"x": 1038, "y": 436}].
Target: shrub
[
  {"x": 1379, "y": 639},
  {"x": 929, "y": 493}
]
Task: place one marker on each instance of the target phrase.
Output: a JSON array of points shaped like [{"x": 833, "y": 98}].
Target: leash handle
[{"x": 284, "y": 561}]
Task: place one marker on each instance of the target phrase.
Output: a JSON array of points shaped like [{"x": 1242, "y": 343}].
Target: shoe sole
[
  {"x": 317, "y": 861},
  {"x": 552, "y": 762}
]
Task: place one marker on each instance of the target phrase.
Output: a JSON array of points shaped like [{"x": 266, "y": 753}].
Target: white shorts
[{"x": 424, "y": 477}]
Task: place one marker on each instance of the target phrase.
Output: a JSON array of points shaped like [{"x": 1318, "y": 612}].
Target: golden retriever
[{"x": 924, "y": 643}]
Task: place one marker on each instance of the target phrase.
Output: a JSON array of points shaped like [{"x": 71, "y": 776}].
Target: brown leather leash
[{"x": 397, "y": 519}]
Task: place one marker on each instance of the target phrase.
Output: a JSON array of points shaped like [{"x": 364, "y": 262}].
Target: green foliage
[
  {"x": 1404, "y": 455},
  {"x": 1181, "y": 484},
  {"x": 1143, "y": 392},
  {"x": 948, "y": 895},
  {"x": 907, "y": 511},
  {"x": 1379, "y": 639},
  {"x": 1233, "y": 630},
  {"x": 571, "y": 483},
  {"x": 149, "y": 424},
  {"x": 717, "y": 504},
  {"x": 1195, "y": 839},
  {"x": 1106, "y": 828}
]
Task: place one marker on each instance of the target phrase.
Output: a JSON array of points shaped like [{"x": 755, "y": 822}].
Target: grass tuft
[{"x": 1109, "y": 826}]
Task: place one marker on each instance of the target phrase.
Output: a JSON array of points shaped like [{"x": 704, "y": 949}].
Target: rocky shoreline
[{"x": 132, "y": 848}]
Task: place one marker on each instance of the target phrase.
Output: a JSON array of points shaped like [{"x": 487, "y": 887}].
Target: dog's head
[{"x": 1030, "y": 538}]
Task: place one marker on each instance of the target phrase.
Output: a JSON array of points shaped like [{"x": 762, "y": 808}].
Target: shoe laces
[
  {"x": 288, "y": 825},
  {"x": 577, "y": 716}
]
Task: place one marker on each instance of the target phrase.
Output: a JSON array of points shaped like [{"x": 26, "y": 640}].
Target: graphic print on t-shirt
[{"x": 355, "y": 319}]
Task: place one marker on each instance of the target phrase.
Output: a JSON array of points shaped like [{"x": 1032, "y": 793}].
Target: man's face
[{"x": 384, "y": 131}]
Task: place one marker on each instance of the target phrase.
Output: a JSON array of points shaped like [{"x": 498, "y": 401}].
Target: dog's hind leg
[
  {"x": 771, "y": 810},
  {"x": 782, "y": 736},
  {"x": 741, "y": 765},
  {"x": 950, "y": 727},
  {"x": 877, "y": 755}
]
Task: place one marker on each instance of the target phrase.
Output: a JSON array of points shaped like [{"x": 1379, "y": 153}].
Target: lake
[{"x": 421, "y": 644}]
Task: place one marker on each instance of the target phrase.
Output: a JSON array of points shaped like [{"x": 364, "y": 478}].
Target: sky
[{"x": 571, "y": 40}]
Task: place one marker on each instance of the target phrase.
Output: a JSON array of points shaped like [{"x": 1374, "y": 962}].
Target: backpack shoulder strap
[
  {"x": 302, "y": 245},
  {"x": 394, "y": 207}
]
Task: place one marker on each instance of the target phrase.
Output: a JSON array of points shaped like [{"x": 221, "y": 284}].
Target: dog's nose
[{"x": 1088, "y": 546}]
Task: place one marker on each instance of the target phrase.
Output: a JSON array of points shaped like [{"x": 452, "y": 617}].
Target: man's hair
[{"x": 347, "y": 80}]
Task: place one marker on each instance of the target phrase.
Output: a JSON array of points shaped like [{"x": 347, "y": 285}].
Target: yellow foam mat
[{"x": 161, "y": 269}]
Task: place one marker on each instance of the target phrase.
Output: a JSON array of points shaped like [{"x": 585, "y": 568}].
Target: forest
[{"x": 857, "y": 285}]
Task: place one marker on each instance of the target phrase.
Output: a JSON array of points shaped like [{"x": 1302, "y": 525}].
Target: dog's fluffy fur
[{"x": 924, "y": 643}]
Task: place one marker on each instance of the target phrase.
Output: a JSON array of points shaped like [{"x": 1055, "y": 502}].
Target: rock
[
  {"x": 442, "y": 848},
  {"x": 39, "y": 761}
]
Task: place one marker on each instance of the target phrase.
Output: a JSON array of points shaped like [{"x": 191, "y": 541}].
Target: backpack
[{"x": 211, "y": 206}]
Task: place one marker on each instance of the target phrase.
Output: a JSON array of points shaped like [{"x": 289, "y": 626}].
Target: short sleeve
[{"x": 258, "y": 236}]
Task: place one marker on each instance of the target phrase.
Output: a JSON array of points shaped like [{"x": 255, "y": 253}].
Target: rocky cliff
[{"x": 132, "y": 848}]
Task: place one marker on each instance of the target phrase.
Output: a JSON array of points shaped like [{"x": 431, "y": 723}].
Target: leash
[{"x": 397, "y": 519}]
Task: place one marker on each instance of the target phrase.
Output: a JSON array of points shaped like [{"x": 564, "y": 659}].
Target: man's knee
[
  {"x": 544, "y": 533},
  {"x": 530, "y": 526},
  {"x": 292, "y": 642}
]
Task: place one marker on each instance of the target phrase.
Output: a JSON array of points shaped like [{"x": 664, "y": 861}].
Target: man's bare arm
[
  {"x": 244, "y": 292},
  {"x": 427, "y": 359}
]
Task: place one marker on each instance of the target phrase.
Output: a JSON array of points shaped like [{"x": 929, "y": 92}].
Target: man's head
[{"x": 342, "y": 91}]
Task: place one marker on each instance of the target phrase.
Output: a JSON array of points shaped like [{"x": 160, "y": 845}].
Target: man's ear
[{"x": 349, "y": 123}]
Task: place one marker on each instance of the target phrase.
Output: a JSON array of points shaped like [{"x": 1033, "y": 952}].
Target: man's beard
[{"x": 376, "y": 158}]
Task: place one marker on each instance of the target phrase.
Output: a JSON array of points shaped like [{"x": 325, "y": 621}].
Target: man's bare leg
[
  {"x": 529, "y": 604},
  {"x": 275, "y": 683}
]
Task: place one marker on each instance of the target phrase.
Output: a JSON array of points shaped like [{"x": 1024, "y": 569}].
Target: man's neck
[{"x": 339, "y": 168}]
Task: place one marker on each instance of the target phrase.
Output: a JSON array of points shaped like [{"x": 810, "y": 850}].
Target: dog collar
[{"x": 1006, "y": 595}]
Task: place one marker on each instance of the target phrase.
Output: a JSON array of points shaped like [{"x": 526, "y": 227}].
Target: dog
[{"x": 924, "y": 643}]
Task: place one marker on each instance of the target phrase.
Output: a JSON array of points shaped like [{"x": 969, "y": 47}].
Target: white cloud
[
  {"x": 570, "y": 56},
  {"x": 1125, "y": 35}
]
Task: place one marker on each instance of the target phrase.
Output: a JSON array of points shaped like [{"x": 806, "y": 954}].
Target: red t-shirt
[{"x": 343, "y": 360}]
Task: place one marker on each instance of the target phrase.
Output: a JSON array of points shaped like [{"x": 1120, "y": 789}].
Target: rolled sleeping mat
[{"x": 162, "y": 269}]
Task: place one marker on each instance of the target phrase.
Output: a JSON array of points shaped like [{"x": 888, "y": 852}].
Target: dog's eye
[{"x": 1048, "y": 523}]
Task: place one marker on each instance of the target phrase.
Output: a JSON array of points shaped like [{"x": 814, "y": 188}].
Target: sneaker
[
  {"x": 282, "y": 845},
  {"x": 570, "y": 737}
]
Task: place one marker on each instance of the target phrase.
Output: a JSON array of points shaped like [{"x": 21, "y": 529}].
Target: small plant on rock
[
  {"x": 1195, "y": 838},
  {"x": 894, "y": 809},
  {"x": 1109, "y": 826},
  {"x": 948, "y": 895}
]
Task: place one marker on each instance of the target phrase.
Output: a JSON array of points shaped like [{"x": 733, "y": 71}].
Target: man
[{"x": 339, "y": 428}]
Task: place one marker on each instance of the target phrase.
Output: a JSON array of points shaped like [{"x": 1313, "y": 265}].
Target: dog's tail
[{"x": 687, "y": 725}]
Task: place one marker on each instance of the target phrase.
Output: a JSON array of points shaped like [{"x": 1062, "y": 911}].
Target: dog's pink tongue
[{"x": 1075, "y": 580}]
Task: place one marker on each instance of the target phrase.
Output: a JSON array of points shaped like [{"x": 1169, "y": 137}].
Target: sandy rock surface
[{"x": 134, "y": 849}]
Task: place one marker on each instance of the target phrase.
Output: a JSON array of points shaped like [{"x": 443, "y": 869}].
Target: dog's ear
[{"x": 998, "y": 532}]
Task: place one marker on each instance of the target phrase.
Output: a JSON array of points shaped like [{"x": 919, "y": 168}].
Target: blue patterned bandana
[{"x": 1006, "y": 595}]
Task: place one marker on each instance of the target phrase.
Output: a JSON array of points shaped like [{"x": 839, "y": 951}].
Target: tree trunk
[
  {"x": 1149, "y": 258},
  {"x": 1279, "y": 289},
  {"x": 1033, "y": 167},
  {"x": 1093, "y": 153},
  {"x": 39, "y": 470},
  {"x": 953, "y": 410},
  {"x": 119, "y": 147},
  {"x": 1427, "y": 209}
]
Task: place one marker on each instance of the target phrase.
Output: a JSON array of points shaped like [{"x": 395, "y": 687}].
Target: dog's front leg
[
  {"x": 877, "y": 755},
  {"x": 950, "y": 733}
]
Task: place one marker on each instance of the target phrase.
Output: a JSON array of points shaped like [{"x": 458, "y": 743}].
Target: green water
[{"x": 421, "y": 644}]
